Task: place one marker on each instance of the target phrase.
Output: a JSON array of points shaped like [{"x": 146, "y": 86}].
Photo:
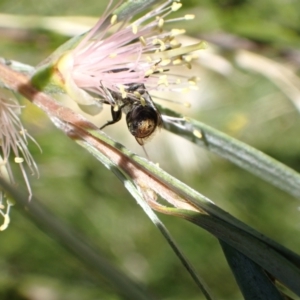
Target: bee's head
[{"x": 142, "y": 122}]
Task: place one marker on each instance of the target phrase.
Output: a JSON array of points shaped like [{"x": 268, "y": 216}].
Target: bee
[{"x": 142, "y": 117}]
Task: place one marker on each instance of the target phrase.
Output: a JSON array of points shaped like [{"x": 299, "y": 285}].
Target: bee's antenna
[{"x": 146, "y": 154}]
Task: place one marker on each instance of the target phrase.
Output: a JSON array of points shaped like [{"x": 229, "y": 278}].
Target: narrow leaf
[
  {"x": 251, "y": 278},
  {"x": 243, "y": 155}
]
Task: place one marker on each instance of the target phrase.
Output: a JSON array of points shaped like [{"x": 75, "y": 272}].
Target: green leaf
[
  {"x": 241, "y": 154},
  {"x": 251, "y": 278},
  {"x": 259, "y": 251}
]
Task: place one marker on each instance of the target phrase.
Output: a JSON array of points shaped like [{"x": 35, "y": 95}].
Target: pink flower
[
  {"x": 13, "y": 141},
  {"x": 113, "y": 55},
  {"x": 120, "y": 63}
]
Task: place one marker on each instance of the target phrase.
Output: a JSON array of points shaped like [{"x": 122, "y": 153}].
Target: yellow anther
[
  {"x": 160, "y": 22},
  {"x": 113, "y": 19},
  {"x": 195, "y": 56},
  {"x": 165, "y": 62},
  {"x": 5, "y": 222},
  {"x": 189, "y": 17},
  {"x": 19, "y": 160},
  {"x": 122, "y": 91},
  {"x": 134, "y": 28},
  {"x": 175, "y": 44},
  {"x": 193, "y": 80},
  {"x": 23, "y": 132},
  {"x": 188, "y": 58},
  {"x": 143, "y": 101},
  {"x": 188, "y": 65},
  {"x": 197, "y": 133},
  {"x": 177, "y": 61},
  {"x": 176, "y": 32},
  {"x": 178, "y": 51},
  {"x": 175, "y": 6},
  {"x": 149, "y": 72},
  {"x": 137, "y": 94},
  {"x": 143, "y": 41},
  {"x": 161, "y": 43},
  {"x": 163, "y": 80}
]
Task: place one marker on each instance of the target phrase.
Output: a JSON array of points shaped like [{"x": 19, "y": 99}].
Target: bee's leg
[{"x": 116, "y": 113}]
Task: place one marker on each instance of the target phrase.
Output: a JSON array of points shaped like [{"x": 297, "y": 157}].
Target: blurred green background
[{"x": 241, "y": 101}]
